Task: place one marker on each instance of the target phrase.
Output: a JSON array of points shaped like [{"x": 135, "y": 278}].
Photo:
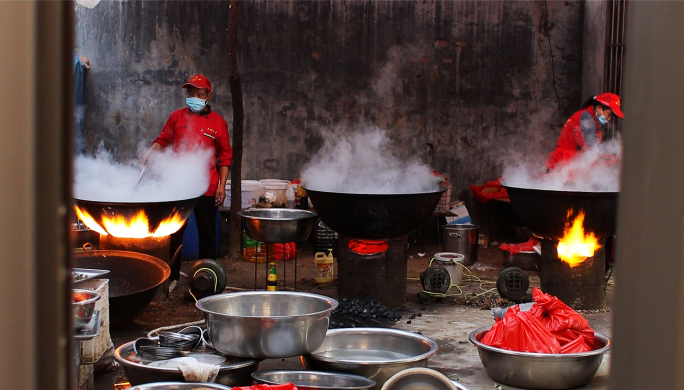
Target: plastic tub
[
  {"x": 279, "y": 190},
  {"x": 250, "y": 194},
  {"x": 450, "y": 261}
]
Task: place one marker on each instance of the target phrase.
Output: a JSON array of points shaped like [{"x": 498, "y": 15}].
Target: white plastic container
[
  {"x": 451, "y": 261},
  {"x": 278, "y": 191},
  {"x": 250, "y": 193}
]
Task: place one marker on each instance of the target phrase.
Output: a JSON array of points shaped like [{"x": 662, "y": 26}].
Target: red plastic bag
[
  {"x": 568, "y": 327},
  {"x": 489, "y": 191},
  {"x": 522, "y": 247},
  {"x": 286, "y": 386},
  {"x": 285, "y": 251},
  {"x": 520, "y": 331}
]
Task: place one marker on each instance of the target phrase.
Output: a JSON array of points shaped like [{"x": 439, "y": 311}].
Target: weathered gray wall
[
  {"x": 594, "y": 47},
  {"x": 461, "y": 83}
]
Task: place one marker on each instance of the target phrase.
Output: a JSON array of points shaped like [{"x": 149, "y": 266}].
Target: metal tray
[
  {"x": 87, "y": 274},
  {"x": 91, "y": 330}
]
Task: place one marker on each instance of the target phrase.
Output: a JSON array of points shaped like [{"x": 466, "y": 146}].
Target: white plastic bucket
[
  {"x": 279, "y": 190},
  {"x": 449, "y": 261},
  {"x": 250, "y": 193},
  {"x": 262, "y": 186}
]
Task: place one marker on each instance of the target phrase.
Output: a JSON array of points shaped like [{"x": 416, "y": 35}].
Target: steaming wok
[
  {"x": 374, "y": 216},
  {"x": 545, "y": 212},
  {"x": 133, "y": 279},
  {"x": 156, "y": 211}
]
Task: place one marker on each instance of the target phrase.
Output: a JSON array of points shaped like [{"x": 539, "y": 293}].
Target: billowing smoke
[
  {"x": 365, "y": 162},
  {"x": 170, "y": 176},
  {"x": 595, "y": 170}
]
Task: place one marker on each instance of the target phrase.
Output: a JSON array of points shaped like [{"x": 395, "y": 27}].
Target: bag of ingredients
[
  {"x": 520, "y": 331},
  {"x": 568, "y": 327},
  {"x": 489, "y": 191}
]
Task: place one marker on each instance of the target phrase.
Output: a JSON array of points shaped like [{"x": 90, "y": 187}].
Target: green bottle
[{"x": 272, "y": 279}]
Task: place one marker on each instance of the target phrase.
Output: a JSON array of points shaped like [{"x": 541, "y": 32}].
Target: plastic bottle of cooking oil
[{"x": 324, "y": 267}]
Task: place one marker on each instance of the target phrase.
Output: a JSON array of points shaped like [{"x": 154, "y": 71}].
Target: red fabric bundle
[
  {"x": 550, "y": 326},
  {"x": 286, "y": 386},
  {"x": 568, "y": 327},
  {"x": 284, "y": 252},
  {"x": 368, "y": 247},
  {"x": 522, "y": 247},
  {"x": 522, "y": 332},
  {"x": 489, "y": 191}
]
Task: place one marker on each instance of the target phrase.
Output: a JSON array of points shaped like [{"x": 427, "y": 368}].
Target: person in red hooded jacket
[{"x": 584, "y": 129}]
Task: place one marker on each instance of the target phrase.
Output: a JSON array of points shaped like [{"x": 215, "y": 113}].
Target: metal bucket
[{"x": 461, "y": 239}]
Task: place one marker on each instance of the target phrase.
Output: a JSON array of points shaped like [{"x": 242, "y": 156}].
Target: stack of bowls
[
  {"x": 83, "y": 305},
  {"x": 183, "y": 342}
]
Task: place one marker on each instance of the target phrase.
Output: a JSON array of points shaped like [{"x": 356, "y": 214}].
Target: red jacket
[
  {"x": 582, "y": 130},
  {"x": 186, "y": 130}
]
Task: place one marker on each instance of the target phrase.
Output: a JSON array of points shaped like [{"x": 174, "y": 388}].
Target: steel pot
[{"x": 461, "y": 238}]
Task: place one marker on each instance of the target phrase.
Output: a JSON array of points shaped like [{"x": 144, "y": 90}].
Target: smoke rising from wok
[
  {"x": 365, "y": 162},
  {"x": 595, "y": 170},
  {"x": 170, "y": 176}
]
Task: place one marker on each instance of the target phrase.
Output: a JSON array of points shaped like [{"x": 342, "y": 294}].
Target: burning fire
[
  {"x": 575, "y": 246},
  {"x": 136, "y": 227}
]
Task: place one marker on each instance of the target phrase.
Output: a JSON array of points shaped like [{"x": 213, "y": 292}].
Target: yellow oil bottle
[{"x": 324, "y": 267}]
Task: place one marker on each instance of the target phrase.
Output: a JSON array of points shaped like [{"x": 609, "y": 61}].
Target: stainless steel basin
[
  {"x": 374, "y": 353},
  {"x": 179, "y": 386},
  {"x": 278, "y": 225},
  {"x": 266, "y": 324},
  {"x": 540, "y": 370},
  {"x": 83, "y": 305},
  {"x": 314, "y": 380}
]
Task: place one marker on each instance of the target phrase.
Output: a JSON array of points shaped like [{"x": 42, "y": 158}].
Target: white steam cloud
[
  {"x": 170, "y": 176},
  {"x": 595, "y": 170},
  {"x": 365, "y": 162}
]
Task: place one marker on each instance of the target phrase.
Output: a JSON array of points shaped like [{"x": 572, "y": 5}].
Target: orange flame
[
  {"x": 575, "y": 246},
  {"x": 136, "y": 227}
]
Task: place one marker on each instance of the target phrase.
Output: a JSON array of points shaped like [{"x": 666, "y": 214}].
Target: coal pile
[
  {"x": 362, "y": 308},
  {"x": 483, "y": 302}
]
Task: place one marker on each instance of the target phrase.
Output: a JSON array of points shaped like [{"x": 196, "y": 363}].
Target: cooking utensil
[
  {"x": 133, "y": 279},
  {"x": 545, "y": 212},
  {"x": 418, "y": 378},
  {"x": 272, "y": 324},
  {"x": 374, "y": 216},
  {"x": 83, "y": 274},
  {"x": 233, "y": 372},
  {"x": 374, "y": 353},
  {"x": 313, "y": 380},
  {"x": 83, "y": 306},
  {"x": 156, "y": 211},
  {"x": 540, "y": 370},
  {"x": 180, "y": 386},
  {"x": 278, "y": 225},
  {"x": 142, "y": 174}
]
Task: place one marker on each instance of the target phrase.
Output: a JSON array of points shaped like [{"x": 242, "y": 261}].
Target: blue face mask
[
  {"x": 601, "y": 119},
  {"x": 195, "y": 104}
]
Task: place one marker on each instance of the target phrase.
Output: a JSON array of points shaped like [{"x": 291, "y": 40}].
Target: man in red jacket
[
  {"x": 584, "y": 128},
  {"x": 188, "y": 129}
]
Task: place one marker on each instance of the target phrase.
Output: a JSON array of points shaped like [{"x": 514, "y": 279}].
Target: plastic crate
[
  {"x": 92, "y": 350},
  {"x": 86, "y": 377}
]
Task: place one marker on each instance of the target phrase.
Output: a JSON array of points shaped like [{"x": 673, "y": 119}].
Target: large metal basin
[
  {"x": 314, "y": 380},
  {"x": 234, "y": 372},
  {"x": 278, "y": 225},
  {"x": 374, "y": 216},
  {"x": 374, "y": 353},
  {"x": 273, "y": 324},
  {"x": 179, "y": 386},
  {"x": 83, "y": 305},
  {"x": 540, "y": 370}
]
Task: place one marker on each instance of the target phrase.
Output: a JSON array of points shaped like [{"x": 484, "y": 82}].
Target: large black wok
[
  {"x": 546, "y": 213},
  {"x": 133, "y": 279},
  {"x": 156, "y": 211},
  {"x": 374, "y": 216}
]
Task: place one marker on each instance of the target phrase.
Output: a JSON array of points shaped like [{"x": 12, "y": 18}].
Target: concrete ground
[{"x": 447, "y": 323}]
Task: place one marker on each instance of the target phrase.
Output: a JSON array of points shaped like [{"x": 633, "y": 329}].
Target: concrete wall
[
  {"x": 594, "y": 47},
  {"x": 464, "y": 84}
]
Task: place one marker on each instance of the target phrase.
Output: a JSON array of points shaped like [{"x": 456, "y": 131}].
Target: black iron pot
[
  {"x": 374, "y": 216},
  {"x": 133, "y": 279}
]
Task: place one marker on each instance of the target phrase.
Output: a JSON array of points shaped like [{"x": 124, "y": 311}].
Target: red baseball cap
[
  {"x": 611, "y": 100},
  {"x": 199, "y": 81}
]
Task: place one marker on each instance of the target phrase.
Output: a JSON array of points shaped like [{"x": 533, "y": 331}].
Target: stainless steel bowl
[
  {"x": 419, "y": 378},
  {"x": 179, "y": 386},
  {"x": 313, "y": 380},
  {"x": 83, "y": 304},
  {"x": 540, "y": 370},
  {"x": 278, "y": 225},
  {"x": 374, "y": 353},
  {"x": 266, "y": 324},
  {"x": 233, "y": 372}
]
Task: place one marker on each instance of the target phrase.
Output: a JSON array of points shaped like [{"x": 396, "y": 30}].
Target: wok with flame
[
  {"x": 546, "y": 213},
  {"x": 135, "y": 220}
]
